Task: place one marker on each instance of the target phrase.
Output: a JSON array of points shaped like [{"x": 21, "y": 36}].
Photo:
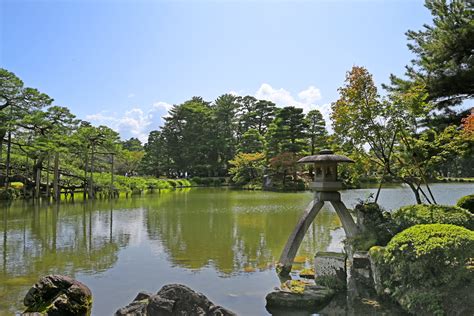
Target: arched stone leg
[
  {"x": 296, "y": 237},
  {"x": 347, "y": 221}
]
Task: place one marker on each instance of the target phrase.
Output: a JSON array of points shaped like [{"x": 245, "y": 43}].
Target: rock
[
  {"x": 173, "y": 299},
  {"x": 312, "y": 297},
  {"x": 158, "y": 305},
  {"x": 307, "y": 273},
  {"x": 329, "y": 263},
  {"x": 58, "y": 295},
  {"x": 137, "y": 308},
  {"x": 143, "y": 296}
]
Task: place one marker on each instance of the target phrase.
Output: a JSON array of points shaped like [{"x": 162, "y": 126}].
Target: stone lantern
[
  {"x": 325, "y": 170},
  {"x": 325, "y": 187}
]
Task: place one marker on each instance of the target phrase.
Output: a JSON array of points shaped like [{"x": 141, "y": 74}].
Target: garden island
[{"x": 225, "y": 194}]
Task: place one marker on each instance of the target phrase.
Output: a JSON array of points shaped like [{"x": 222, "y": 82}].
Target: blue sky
[{"x": 123, "y": 63}]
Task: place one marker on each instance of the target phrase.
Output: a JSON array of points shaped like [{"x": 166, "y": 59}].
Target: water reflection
[
  {"x": 39, "y": 239},
  {"x": 232, "y": 232},
  {"x": 228, "y": 239}
]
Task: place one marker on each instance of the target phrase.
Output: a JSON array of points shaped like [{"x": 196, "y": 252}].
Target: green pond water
[{"x": 221, "y": 242}]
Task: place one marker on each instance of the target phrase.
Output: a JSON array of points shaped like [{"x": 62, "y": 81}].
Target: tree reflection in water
[{"x": 231, "y": 232}]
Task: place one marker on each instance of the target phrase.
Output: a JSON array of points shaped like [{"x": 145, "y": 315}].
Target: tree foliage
[{"x": 444, "y": 60}]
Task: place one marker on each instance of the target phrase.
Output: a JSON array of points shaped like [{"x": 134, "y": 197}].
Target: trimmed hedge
[
  {"x": 424, "y": 263},
  {"x": 467, "y": 202},
  {"x": 430, "y": 214}
]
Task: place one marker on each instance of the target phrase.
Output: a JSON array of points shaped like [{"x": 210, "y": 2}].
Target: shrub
[
  {"x": 375, "y": 225},
  {"x": 217, "y": 181},
  {"x": 6, "y": 195},
  {"x": 172, "y": 183},
  {"x": 430, "y": 214},
  {"x": 425, "y": 263},
  {"x": 467, "y": 202},
  {"x": 17, "y": 185},
  {"x": 206, "y": 181},
  {"x": 196, "y": 180}
]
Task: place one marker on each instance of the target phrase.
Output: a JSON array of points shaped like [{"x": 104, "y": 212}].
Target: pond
[{"x": 223, "y": 243}]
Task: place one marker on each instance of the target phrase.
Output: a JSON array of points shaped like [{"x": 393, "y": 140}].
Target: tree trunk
[
  {"x": 47, "y": 179},
  {"x": 111, "y": 177},
  {"x": 84, "y": 193},
  {"x": 91, "y": 178},
  {"x": 415, "y": 192},
  {"x": 3, "y": 132},
  {"x": 37, "y": 183},
  {"x": 7, "y": 164},
  {"x": 37, "y": 174},
  {"x": 57, "y": 193}
]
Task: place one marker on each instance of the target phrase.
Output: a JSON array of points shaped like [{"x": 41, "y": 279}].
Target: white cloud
[
  {"x": 306, "y": 100},
  {"x": 135, "y": 122},
  {"x": 131, "y": 95},
  {"x": 138, "y": 122},
  {"x": 310, "y": 95}
]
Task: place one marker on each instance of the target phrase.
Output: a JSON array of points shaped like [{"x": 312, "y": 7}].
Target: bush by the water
[
  {"x": 430, "y": 214},
  {"x": 208, "y": 181},
  {"x": 424, "y": 264},
  {"x": 467, "y": 202},
  {"x": 375, "y": 226}
]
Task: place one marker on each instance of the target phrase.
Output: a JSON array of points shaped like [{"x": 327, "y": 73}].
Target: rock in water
[
  {"x": 313, "y": 296},
  {"x": 173, "y": 299},
  {"x": 58, "y": 295}
]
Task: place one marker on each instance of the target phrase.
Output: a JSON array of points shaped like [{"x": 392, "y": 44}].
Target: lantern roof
[{"x": 325, "y": 156}]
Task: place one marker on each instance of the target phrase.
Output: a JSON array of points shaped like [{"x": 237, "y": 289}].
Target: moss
[
  {"x": 294, "y": 286},
  {"x": 375, "y": 225},
  {"x": 331, "y": 281},
  {"x": 377, "y": 253},
  {"x": 363, "y": 241},
  {"x": 307, "y": 273},
  {"x": 467, "y": 202}
]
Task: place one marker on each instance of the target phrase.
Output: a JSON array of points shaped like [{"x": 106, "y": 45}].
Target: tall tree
[
  {"x": 225, "y": 125},
  {"x": 251, "y": 142},
  {"x": 189, "y": 138},
  {"x": 155, "y": 161},
  {"x": 132, "y": 144},
  {"x": 287, "y": 132},
  {"x": 316, "y": 131},
  {"x": 390, "y": 128},
  {"x": 256, "y": 114},
  {"x": 444, "y": 52}
]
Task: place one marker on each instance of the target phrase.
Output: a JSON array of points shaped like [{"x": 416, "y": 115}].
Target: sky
[{"x": 124, "y": 63}]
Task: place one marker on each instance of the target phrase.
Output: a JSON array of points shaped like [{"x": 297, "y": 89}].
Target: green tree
[
  {"x": 390, "y": 128},
  {"x": 247, "y": 168},
  {"x": 132, "y": 144},
  {"x": 444, "y": 60},
  {"x": 93, "y": 145},
  {"x": 224, "y": 123},
  {"x": 155, "y": 159},
  {"x": 251, "y": 142},
  {"x": 189, "y": 139},
  {"x": 287, "y": 132},
  {"x": 256, "y": 114},
  {"x": 16, "y": 102},
  {"x": 316, "y": 131}
]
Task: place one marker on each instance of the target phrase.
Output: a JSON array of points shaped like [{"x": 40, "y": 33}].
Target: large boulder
[
  {"x": 173, "y": 299},
  {"x": 58, "y": 295}
]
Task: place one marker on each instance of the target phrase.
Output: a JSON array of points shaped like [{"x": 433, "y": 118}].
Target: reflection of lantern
[
  {"x": 326, "y": 186},
  {"x": 325, "y": 170}
]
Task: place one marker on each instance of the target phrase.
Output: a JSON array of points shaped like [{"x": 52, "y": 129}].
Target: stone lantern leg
[{"x": 325, "y": 186}]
